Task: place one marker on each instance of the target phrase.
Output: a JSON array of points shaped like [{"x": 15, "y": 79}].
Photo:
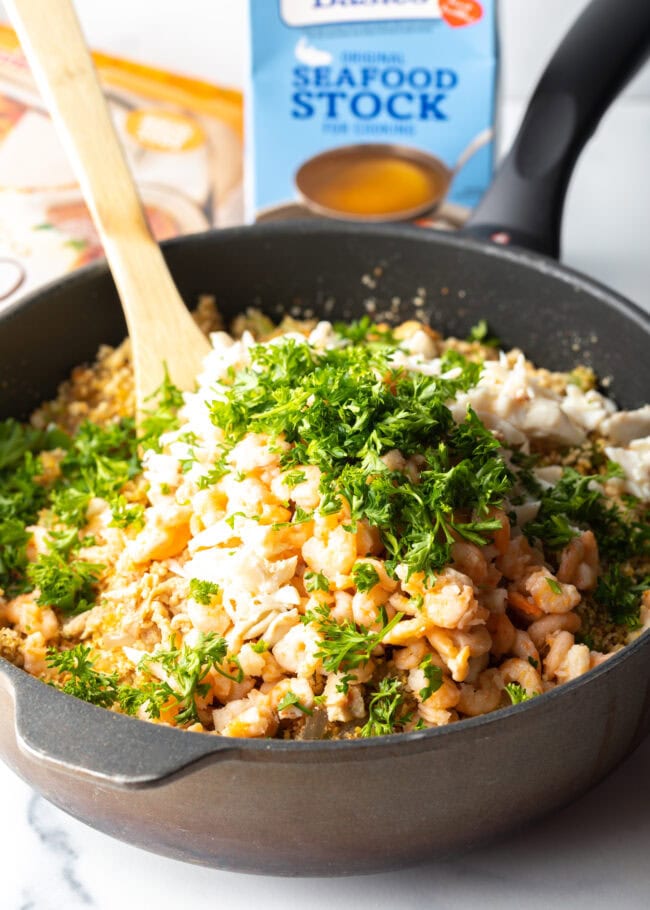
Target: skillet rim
[
  {"x": 545, "y": 265},
  {"x": 240, "y": 748}
]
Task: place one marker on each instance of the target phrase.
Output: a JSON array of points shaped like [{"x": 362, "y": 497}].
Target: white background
[{"x": 592, "y": 855}]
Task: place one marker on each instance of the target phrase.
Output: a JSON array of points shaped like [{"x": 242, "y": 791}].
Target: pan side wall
[{"x": 357, "y": 810}]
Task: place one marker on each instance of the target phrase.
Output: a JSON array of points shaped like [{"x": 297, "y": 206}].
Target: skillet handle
[
  {"x": 57, "y": 734},
  {"x": 602, "y": 51}
]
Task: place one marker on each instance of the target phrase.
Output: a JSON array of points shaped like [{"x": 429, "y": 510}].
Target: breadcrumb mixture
[{"x": 276, "y": 564}]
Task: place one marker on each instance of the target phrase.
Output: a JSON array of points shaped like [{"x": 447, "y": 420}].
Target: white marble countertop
[{"x": 594, "y": 854}]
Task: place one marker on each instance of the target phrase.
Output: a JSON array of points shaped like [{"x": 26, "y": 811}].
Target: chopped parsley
[
  {"x": 433, "y": 676},
  {"x": 153, "y": 696},
  {"x": 481, "y": 333},
  {"x": 365, "y": 576},
  {"x": 300, "y": 516},
  {"x": 577, "y": 502},
  {"x": 69, "y": 586},
  {"x": 293, "y": 478},
  {"x": 260, "y": 647},
  {"x": 22, "y": 496},
  {"x": 98, "y": 461},
  {"x": 518, "y": 694},
  {"x": 162, "y": 417},
  {"x": 346, "y": 645},
  {"x": 13, "y": 554},
  {"x": 70, "y": 505},
  {"x": 80, "y": 677},
  {"x": 292, "y": 699},
  {"x": 554, "y": 585},
  {"x": 203, "y": 591},
  {"x": 344, "y": 408},
  {"x": 384, "y": 708},
  {"x": 365, "y": 331},
  {"x": 214, "y": 475},
  {"x": 127, "y": 514},
  {"x": 186, "y": 669},
  {"x": 316, "y": 581},
  {"x": 620, "y": 594}
]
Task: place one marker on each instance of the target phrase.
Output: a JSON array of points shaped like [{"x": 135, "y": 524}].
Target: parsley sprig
[
  {"x": 346, "y": 646},
  {"x": 384, "y": 707},
  {"x": 185, "y": 667},
  {"x": 98, "y": 461},
  {"x": 80, "y": 678},
  {"x": 578, "y": 502},
  {"x": 433, "y": 676},
  {"x": 68, "y": 585},
  {"x": 518, "y": 694},
  {"x": 620, "y": 594},
  {"x": 203, "y": 591},
  {"x": 344, "y": 408}
]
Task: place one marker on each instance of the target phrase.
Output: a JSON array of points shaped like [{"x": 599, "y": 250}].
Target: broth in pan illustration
[{"x": 378, "y": 182}]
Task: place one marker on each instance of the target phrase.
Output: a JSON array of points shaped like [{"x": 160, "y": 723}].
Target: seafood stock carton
[{"x": 375, "y": 110}]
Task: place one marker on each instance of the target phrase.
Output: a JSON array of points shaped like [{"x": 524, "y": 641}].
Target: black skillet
[{"x": 344, "y": 807}]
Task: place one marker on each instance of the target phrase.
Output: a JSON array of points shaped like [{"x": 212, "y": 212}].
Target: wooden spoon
[{"x": 161, "y": 329}]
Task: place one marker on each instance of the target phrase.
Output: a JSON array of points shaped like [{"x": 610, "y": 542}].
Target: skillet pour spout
[{"x": 273, "y": 806}]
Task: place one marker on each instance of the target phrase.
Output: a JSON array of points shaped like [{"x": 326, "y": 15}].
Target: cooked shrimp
[
  {"x": 503, "y": 634},
  {"x": 299, "y": 688},
  {"x": 437, "y": 708},
  {"x": 341, "y": 609},
  {"x": 34, "y": 651},
  {"x": 166, "y": 533},
  {"x": 208, "y": 617},
  {"x": 411, "y": 655},
  {"x": 520, "y": 671},
  {"x": 524, "y": 647},
  {"x": 457, "y": 648},
  {"x": 517, "y": 559},
  {"x": 559, "y": 645},
  {"x": 332, "y": 554},
  {"x": 27, "y": 616},
  {"x": 552, "y": 622},
  {"x": 523, "y": 605},
  {"x": 227, "y": 690},
  {"x": 469, "y": 559},
  {"x": 368, "y": 540},
  {"x": 580, "y": 564},
  {"x": 475, "y": 666},
  {"x": 208, "y": 507},
  {"x": 502, "y": 536},
  {"x": 451, "y": 603},
  {"x": 576, "y": 662},
  {"x": 549, "y": 594},
  {"x": 296, "y": 651},
  {"x": 342, "y": 705},
  {"x": 304, "y": 494},
  {"x": 445, "y": 697},
  {"x": 481, "y": 698},
  {"x": 494, "y": 599}
]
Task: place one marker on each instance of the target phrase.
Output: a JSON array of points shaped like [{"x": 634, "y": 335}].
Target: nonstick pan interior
[{"x": 332, "y": 271}]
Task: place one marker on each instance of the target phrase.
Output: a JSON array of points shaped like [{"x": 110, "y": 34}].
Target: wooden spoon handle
[{"x": 159, "y": 324}]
